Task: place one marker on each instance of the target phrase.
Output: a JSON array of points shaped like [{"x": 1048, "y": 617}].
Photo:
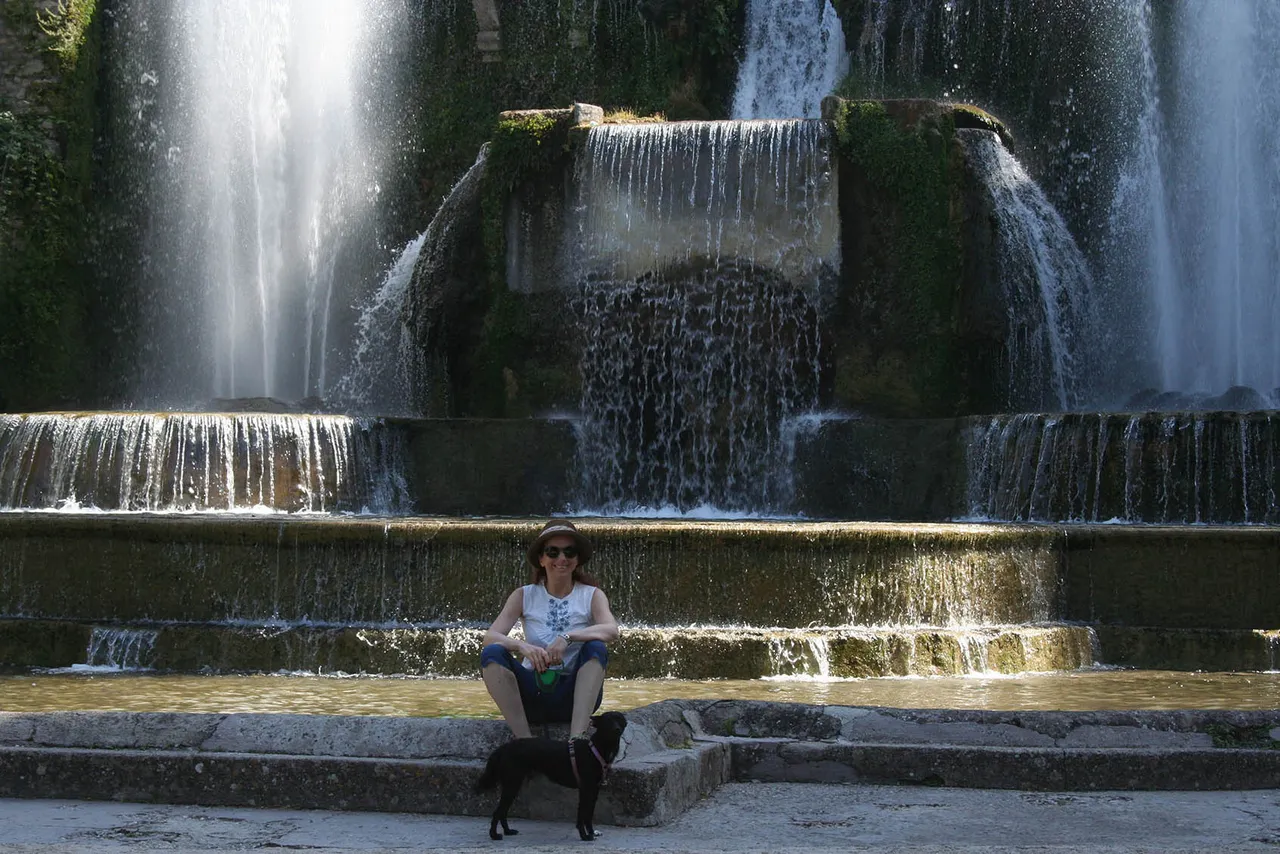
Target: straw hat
[{"x": 559, "y": 528}]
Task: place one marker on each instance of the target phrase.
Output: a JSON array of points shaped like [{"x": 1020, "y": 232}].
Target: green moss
[
  {"x": 45, "y": 171},
  {"x": 530, "y": 148},
  {"x": 68, "y": 29},
  {"x": 677, "y": 59},
  {"x": 908, "y": 162},
  {"x": 1242, "y": 737}
]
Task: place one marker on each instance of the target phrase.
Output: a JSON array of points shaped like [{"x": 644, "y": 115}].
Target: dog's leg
[
  {"x": 587, "y": 810},
  {"x": 510, "y": 788}
]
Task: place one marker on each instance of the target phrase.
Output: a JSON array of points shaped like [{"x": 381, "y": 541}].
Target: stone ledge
[
  {"x": 796, "y": 721},
  {"x": 988, "y": 767},
  {"x": 672, "y": 756},
  {"x": 642, "y": 793}
]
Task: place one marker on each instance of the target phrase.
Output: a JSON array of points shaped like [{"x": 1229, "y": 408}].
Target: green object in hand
[{"x": 548, "y": 679}]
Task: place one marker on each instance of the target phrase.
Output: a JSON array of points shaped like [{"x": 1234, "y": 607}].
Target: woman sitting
[{"x": 567, "y": 623}]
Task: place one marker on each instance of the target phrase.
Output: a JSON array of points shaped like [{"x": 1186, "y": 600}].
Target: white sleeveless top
[{"x": 546, "y": 617}]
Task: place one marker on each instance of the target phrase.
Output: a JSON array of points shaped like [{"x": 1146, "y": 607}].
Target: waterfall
[
  {"x": 795, "y": 57},
  {"x": 184, "y": 462},
  {"x": 1139, "y": 220},
  {"x": 1168, "y": 468},
  {"x": 376, "y": 382},
  {"x": 259, "y": 144},
  {"x": 1213, "y": 277},
  {"x": 1046, "y": 280},
  {"x": 1151, "y": 127},
  {"x": 448, "y": 246},
  {"x": 702, "y": 252},
  {"x": 121, "y": 649}
]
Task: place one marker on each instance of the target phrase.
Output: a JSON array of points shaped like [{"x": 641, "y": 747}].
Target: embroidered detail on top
[{"x": 557, "y": 614}]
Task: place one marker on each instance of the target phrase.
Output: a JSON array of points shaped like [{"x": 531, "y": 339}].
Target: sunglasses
[{"x": 554, "y": 552}]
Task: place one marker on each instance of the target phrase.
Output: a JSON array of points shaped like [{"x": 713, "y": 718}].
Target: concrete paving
[{"x": 738, "y": 817}]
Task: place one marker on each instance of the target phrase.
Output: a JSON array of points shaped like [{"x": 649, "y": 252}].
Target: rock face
[
  {"x": 25, "y": 63},
  {"x": 921, "y": 316}
]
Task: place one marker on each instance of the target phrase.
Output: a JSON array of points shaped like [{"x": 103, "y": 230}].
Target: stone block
[
  {"x": 864, "y": 726},
  {"x": 587, "y": 114}
]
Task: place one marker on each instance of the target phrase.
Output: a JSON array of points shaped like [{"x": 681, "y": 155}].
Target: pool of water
[{"x": 1083, "y": 690}]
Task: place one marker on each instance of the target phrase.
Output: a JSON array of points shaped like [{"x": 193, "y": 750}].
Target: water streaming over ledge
[
  {"x": 378, "y": 379},
  {"x": 187, "y": 461},
  {"x": 1046, "y": 281},
  {"x": 1150, "y": 123},
  {"x": 702, "y": 253},
  {"x": 1178, "y": 468}
]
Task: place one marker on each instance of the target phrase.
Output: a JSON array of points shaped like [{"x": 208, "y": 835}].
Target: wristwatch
[{"x": 565, "y": 635}]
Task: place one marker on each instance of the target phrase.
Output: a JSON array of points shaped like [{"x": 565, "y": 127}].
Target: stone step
[
  {"x": 335, "y": 762},
  {"x": 672, "y": 756},
  {"x": 680, "y": 652},
  {"x": 120, "y": 568},
  {"x": 117, "y": 568}
]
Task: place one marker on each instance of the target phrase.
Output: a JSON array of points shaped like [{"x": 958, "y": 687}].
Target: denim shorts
[{"x": 555, "y": 705}]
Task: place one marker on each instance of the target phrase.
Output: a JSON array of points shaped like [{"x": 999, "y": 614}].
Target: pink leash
[{"x": 604, "y": 766}]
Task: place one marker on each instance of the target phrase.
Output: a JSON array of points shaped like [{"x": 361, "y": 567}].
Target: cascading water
[
  {"x": 256, "y": 131},
  {"x": 1046, "y": 281},
  {"x": 1171, "y": 468},
  {"x": 136, "y": 461},
  {"x": 390, "y": 374},
  {"x": 121, "y": 649},
  {"x": 376, "y": 382},
  {"x": 1213, "y": 277},
  {"x": 1151, "y": 127},
  {"x": 701, "y": 251},
  {"x": 795, "y": 56}
]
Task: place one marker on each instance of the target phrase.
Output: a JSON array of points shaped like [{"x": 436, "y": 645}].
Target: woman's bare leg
[
  {"x": 586, "y": 688},
  {"x": 505, "y": 691}
]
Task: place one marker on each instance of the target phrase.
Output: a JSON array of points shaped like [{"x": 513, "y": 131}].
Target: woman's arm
[
  {"x": 499, "y": 633},
  {"x": 603, "y": 625}
]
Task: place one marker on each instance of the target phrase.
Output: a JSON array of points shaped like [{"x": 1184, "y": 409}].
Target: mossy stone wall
[
  {"x": 49, "y": 65},
  {"x": 647, "y": 56},
  {"x": 917, "y": 339}
]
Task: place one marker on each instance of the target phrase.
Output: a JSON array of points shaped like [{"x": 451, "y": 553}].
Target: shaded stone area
[
  {"x": 1177, "y": 578},
  {"x": 675, "y": 752},
  {"x": 1190, "y": 649}
]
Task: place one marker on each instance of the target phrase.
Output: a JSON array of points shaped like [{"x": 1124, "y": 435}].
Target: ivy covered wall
[
  {"x": 48, "y": 62},
  {"x": 676, "y": 58}
]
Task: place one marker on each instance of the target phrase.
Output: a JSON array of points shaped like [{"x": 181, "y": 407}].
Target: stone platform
[{"x": 675, "y": 753}]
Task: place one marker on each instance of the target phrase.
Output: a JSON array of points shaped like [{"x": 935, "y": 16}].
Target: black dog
[{"x": 580, "y": 764}]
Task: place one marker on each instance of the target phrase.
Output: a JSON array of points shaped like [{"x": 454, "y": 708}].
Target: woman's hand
[
  {"x": 537, "y": 656},
  {"x": 556, "y": 649}
]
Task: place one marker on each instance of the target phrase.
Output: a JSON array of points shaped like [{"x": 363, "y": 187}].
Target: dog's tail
[{"x": 488, "y": 779}]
